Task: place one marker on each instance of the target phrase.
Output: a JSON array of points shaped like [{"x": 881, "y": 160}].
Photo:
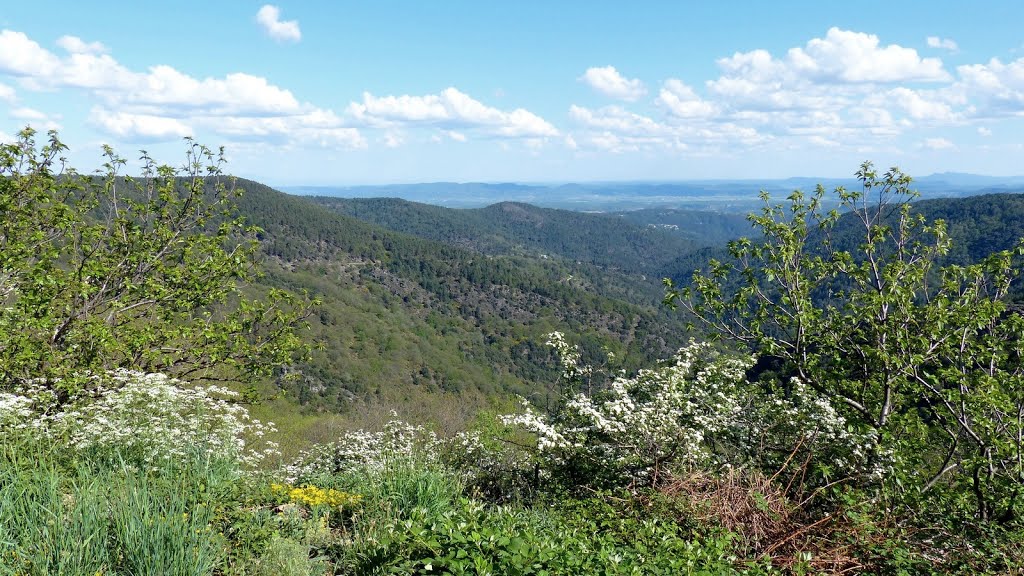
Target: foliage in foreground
[
  {"x": 105, "y": 272},
  {"x": 894, "y": 390},
  {"x": 404, "y": 501},
  {"x": 927, "y": 359}
]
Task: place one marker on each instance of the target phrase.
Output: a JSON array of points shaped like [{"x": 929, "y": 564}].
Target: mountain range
[
  {"x": 713, "y": 195},
  {"x": 422, "y": 302}
]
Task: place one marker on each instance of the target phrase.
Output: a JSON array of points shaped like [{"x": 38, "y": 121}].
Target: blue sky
[{"x": 529, "y": 91}]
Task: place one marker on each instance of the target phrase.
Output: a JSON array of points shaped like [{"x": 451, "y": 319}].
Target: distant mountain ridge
[
  {"x": 622, "y": 241},
  {"x": 712, "y": 195}
]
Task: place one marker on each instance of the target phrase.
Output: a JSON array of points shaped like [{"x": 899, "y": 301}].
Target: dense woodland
[{"x": 810, "y": 390}]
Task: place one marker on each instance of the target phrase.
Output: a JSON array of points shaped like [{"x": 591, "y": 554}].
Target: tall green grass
[
  {"x": 52, "y": 522},
  {"x": 71, "y": 518}
]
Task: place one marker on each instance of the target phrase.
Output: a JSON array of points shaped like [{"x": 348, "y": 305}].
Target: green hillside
[
  {"x": 403, "y": 316},
  {"x": 977, "y": 225},
  {"x": 511, "y": 228}
]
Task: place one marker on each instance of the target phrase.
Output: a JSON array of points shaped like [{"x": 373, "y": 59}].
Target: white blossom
[{"x": 132, "y": 416}]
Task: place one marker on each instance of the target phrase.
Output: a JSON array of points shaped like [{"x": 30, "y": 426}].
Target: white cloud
[
  {"x": 943, "y": 43},
  {"x": 457, "y": 136},
  {"x": 995, "y": 87},
  {"x": 160, "y": 87},
  {"x": 983, "y": 131},
  {"x": 269, "y": 17},
  {"x": 616, "y": 119},
  {"x": 139, "y": 127},
  {"x": 22, "y": 56},
  {"x": 163, "y": 103},
  {"x": 76, "y": 45},
  {"x": 236, "y": 93},
  {"x": 316, "y": 126},
  {"x": 451, "y": 110},
  {"x": 7, "y": 93},
  {"x": 848, "y": 56},
  {"x": 37, "y": 119},
  {"x": 920, "y": 107},
  {"x": 681, "y": 101},
  {"x": 613, "y": 128},
  {"x": 823, "y": 142},
  {"x": 844, "y": 87},
  {"x": 27, "y": 114},
  {"x": 937, "y": 144},
  {"x": 609, "y": 82},
  {"x": 842, "y": 57}
]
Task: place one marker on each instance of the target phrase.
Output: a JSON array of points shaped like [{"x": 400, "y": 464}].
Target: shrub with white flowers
[
  {"x": 639, "y": 425},
  {"x": 696, "y": 409},
  {"x": 364, "y": 451},
  {"x": 138, "y": 418},
  {"x": 799, "y": 425}
]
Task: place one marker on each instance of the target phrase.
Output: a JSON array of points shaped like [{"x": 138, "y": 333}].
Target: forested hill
[
  {"x": 515, "y": 228},
  {"x": 977, "y": 225},
  {"x": 702, "y": 227},
  {"x": 404, "y": 316}
]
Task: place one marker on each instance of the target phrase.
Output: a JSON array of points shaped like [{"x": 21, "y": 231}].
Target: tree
[
  {"x": 859, "y": 307},
  {"x": 150, "y": 273}
]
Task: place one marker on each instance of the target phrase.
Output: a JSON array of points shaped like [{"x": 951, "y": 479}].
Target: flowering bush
[
  {"x": 697, "y": 409},
  {"x": 365, "y": 452},
  {"x": 777, "y": 425},
  {"x": 639, "y": 425},
  {"x": 140, "y": 418}
]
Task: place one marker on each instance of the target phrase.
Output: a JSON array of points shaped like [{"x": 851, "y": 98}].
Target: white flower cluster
[
  {"x": 140, "y": 418},
  {"x": 366, "y": 451},
  {"x": 14, "y": 410},
  {"x": 570, "y": 356},
  {"x": 805, "y": 417},
  {"x": 660, "y": 416},
  {"x": 696, "y": 409}
]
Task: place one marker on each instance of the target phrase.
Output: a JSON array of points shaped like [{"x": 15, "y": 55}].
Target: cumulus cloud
[
  {"x": 615, "y": 129},
  {"x": 995, "y": 87},
  {"x": 842, "y": 56},
  {"x": 76, "y": 45},
  {"x": 139, "y": 127},
  {"x": 844, "y": 86},
  {"x": 681, "y": 101},
  {"x": 162, "y": 103},
  {"x": 24, "y": 57},
  {"x": 942, "y": 43},
  {"x": 269, "y": 17},
  {"x": 617, "y": 120},
  {"x": 316, "y": 126},
  {"x": 843, "y": 89},
  {"x": 609, "y": 82},
  {"x": 857, "y": 57},
  {"x": 449, "y": 110},
  {"x": 159, "y": 87},
  {"x": 921, "y": 106}
]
